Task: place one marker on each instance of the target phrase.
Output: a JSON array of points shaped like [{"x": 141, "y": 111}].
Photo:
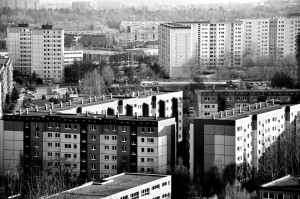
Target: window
[
  {"x": 134, "y": 195},
  {"x": 156, "y": 187},
  {"x": 49, "y": 154},
  {"x": 106, "y": 147},
  {"x": 150, "y": 150},
  {"x": 57, "y": 145},
  {"x": 124, "y": 158},
  {"x": 67, "y": 155},
  {"x": 114, "y": 128},
  {"x": 150, "y": 160},
  {"x": 114, "y": 137},
  {"x": 93, "y": 157},
  {"x": 124, "y": 139},
  {"x": 36, "y": 135},
  {"x": 68, "y": 136},
  {"x": 238, "y": 98},
  {"x": 143, "y": 150},
  {"x": 93, "y": 137},
  {"x": 150, "y": 130},
  {"x": 36, "y": 145},
  {"x": 142, "y": 139},
  {"x": 49, "y": 144},
  {"x": 150, "y": 140},
  {"x": 145, "y": 192},
  {"x": 75, "y": 127},
  {"x": 75, "y": 146},
  {"x": 49, "y": 125},
  {"x": 142, "y": 159},
  {"x": 67, "y": 126},
  {"x": 106, "y": 137},
  {"x": 143, "y": 130},
  {"x": 150, "y": 170},
  {"x": 75, "y": 156},
  {"x": 106, "y": 128},
  {"x": 114, "y": 157},
  {"x": 57, "y": 135},
  {"x": 124, "y": 197},
  {"x": 57, "y": 154},
  {"x": 67, "y": 146},
  {"x": 124, "y": 149},
  {"x": 123, "y": 129},
  {"x": 57, "y": 125},
  {"x": 114, "y": 148},
  {"x": 106, "y": 157},
  {"x": 106, "y": 167},
  {"x": 114, "y": 167},
  {"x": 93, "y": 128},
  {"x": 93, "y": 167},
  {"x": 75, "y": 136},
  {"x": 93, "y": 147},
  {"x": 49, "y": 135},
  {"x": 36, "y": 154}
]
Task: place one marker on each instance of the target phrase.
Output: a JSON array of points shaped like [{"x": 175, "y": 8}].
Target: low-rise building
[
  {"x": 72, "y": 55},
  {"x": 124, "y": 186}
]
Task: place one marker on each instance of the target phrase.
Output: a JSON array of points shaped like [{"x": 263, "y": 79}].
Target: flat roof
[
  {"x": 245, "y": 112},
  {"x": 289, "y": 183},
  {"x": 110, "y": 186},
  {"x": 176, "y": 25}
]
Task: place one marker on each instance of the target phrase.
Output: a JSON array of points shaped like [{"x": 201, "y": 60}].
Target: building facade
[
  {"x": 71, "y": 56},
  {"x": 240, "y": 135},
  {"x": 39, "y": 50},
  {"x": 174, "y": 49},
  {"x": 211, "y": 101},
  {"x": 124, "y": 186},
  {"x": 20, "y": 4}
]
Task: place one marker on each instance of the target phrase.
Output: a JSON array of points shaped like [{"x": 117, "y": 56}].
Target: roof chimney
[
  {"x": 249, "y": 107},
  {"x": 138, "y": 93},
  {"x": 103, "y": 97},
  {"x": 240, "y": 109},
  {"x": 136, "y": 116},
  {"x": 132, "y": 94},
  {"x": 46, "y": 106},
  {"x": 86, "y": 114},
  {"x": 36, "y": 108},
  {"x": 273, "y": 102},
  {"x": 155, "y": 117},
  {"x": 50, "y": 111},
  {"x": 225, "y": 113},
  {"x": 95, "y": 98},
  {"x": 52, "y": 105},
  {"x": 110, "y": 95},
  {"x": 213, "y": 116},
  {"x": 266, "y": 103},
  {"x": 20, "y": 112},
  {"x": 118, "y": 115},
  {"x": 255, "y": 105},
  {"x": 259, "y": 104},
  {"x": 157, "y": 89},
  {"x": 106, "y": 113}
]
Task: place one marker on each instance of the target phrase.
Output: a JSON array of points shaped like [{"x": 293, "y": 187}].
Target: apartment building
[
  {"x": 240, "y": 135},
  {"x": 174, "y": 48},
  {"x": 91, "y": 146},
  {"x": 20, "y": 4},
  {"x": 285, "y": 187},
  {"x": 274, "y": 37},
  {"x": 211, "y": 101},
  {"x": 217, "y": 44},
  {"x": 124, "y": 186},
  {"x": 6, "y": 71},
  {"x": 136, "y": 26},
  {"x": 71, "y": 56},
  {"x": 38, "y": 50}
]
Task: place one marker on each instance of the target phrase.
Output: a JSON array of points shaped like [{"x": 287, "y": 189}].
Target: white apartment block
[
  {"x": 275, "y": 37},
  {"x": 37, "y": 50},
  {"x": 71, "y": 56},
  {"x": 217, "y": 44},
  {"x": 174, "y": 48},
  {"x": 136, "y": 26}
]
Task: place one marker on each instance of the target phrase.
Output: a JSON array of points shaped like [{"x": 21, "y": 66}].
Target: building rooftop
[
  {"x": 109, "y": 186},
  {"x": 242, "y": 112},
  {"x": 288, "y": 183},
  {"x": 251, "y": 91},
  {"x": 176, "y": 25}
]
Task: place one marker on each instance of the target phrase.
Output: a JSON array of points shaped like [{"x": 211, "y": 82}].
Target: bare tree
[
  {"x": 192, "y": 69},
  {"x": 108, "y": 75},
  {"x": 91, "y": 84}
]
